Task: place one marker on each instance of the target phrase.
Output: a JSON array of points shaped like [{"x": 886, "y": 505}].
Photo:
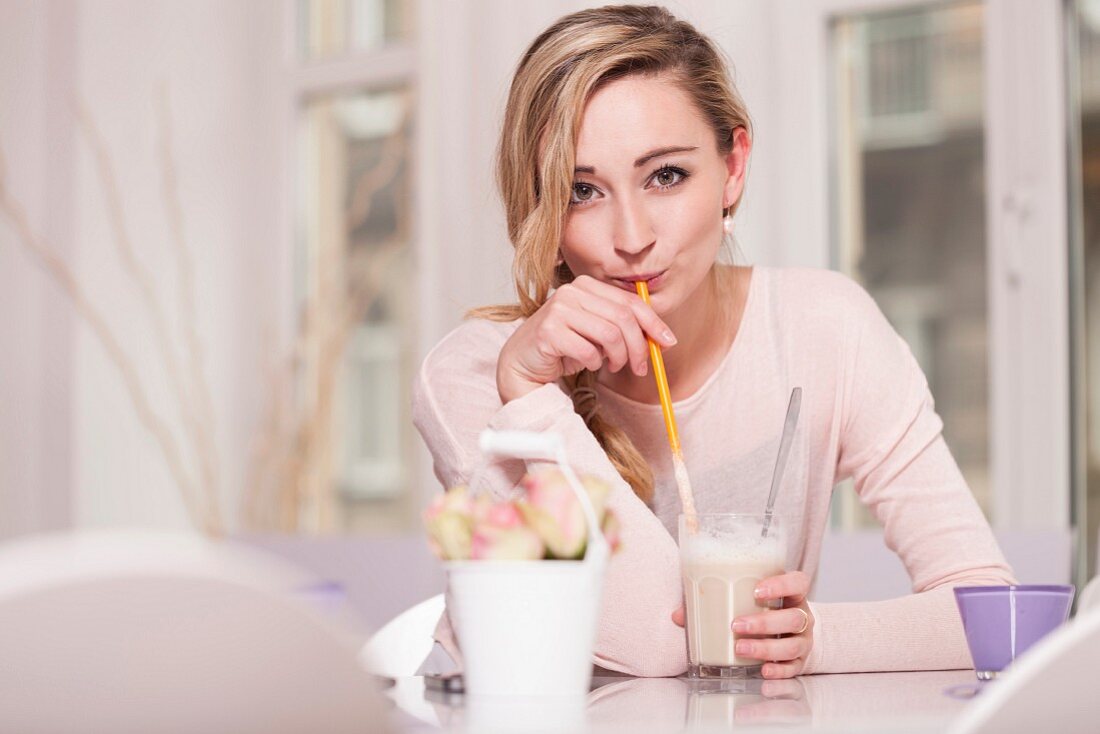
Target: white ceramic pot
[
  {"x": 525, "y": 627},
  {"x": 529, "y": 627}
]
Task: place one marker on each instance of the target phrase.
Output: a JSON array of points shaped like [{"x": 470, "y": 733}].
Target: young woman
[{"x": 623, "y": 157}]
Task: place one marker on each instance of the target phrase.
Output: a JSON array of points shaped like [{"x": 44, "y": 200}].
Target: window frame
[
  {"x": 1026, "y": 208},
  {"x": 387, "y": 67}
]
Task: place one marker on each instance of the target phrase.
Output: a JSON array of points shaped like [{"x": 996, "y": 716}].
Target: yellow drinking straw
[{"x": 687, "y": 500}]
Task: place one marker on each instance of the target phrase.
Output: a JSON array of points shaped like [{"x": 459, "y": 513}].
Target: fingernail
[
  {"x": 743, "y": 648},
  {"x": 645, "y": 369},
  {"x": 760, "y": 592},
  {"x": 740, "y": 626},
  {"x": 668, "y": 338}
]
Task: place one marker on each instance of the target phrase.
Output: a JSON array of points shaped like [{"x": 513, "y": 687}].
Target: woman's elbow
[
  {"x": 662, "y": 654},
  {"x": 998, "y": 574}
]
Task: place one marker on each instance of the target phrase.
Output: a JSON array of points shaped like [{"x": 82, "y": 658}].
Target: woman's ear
[{"x": 737, "y": 165}]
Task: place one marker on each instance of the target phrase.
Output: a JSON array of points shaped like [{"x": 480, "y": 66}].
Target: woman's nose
[{"x": 633, "y": 228}]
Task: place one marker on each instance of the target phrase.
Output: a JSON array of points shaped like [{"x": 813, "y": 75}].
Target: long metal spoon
[{"x": 789, "y": 424}]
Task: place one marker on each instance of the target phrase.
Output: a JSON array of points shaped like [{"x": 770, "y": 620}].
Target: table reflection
[
  {"x": 918, "y": 700},
  {"x": 673, "y": 703}
]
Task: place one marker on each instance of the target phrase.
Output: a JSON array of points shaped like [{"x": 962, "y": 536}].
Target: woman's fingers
[
  {"x": 792, "y": 586},
  {"x": 785, "y": 648},
  {"x": 571, "y": 366},
  {"x": 793, "y": 621},
  {"x": 569, "y": 345},
  {"x": 622, "y": 316},
  {"x": 652, "y": 323},
  {"x": 591, "y": 317},
  {"x": 788, "y": 669},
  {"x": 582, "y": 325},
  {"x": 606, "y": 335},
  {"x": 561, "y": 338},
  {"x": 679, "y": 617},
  {"x": 644, "y": 314}
]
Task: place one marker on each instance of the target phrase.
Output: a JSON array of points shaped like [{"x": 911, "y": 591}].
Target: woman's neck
[{"x": 702, "y": 339}]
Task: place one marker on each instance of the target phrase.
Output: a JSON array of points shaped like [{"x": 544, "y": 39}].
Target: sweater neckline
[{"x": 734, "y": 349}]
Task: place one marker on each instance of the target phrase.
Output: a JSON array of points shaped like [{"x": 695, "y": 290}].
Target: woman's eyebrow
[
  {"x": 658, "y": 152},
  {"x": 655, "y": 153}
]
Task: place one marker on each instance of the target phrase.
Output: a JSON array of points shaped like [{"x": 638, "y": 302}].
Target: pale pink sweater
[{"x": 867, "y": 413}]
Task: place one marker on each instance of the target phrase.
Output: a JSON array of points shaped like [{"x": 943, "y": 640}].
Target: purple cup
[{"x": 1002, "y": 622}]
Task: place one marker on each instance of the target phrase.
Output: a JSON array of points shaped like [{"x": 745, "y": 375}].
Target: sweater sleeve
[
  {"x": 891, "y": 444},
  {"x": 455, "y": 397}
]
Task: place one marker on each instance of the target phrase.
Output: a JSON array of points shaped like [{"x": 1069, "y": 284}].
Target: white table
[{"x": 901, "y": 702}]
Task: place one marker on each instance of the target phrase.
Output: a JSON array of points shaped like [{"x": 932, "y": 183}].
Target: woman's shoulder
[
  {"x": 816, "y": 288},
  {"x": 820, "y": 309},
  {"x": 472, "y": 346},
  {"x": 819, "y": 297}
]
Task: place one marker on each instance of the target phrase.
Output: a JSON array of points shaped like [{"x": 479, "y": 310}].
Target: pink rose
[
  {"x": 612, "y": 530},
  {"x": 501, "y": 535},
  {"x": 549, "y": 523},
  {"x": 449, "y": 521},
  {"x": 554, "y": 512}
]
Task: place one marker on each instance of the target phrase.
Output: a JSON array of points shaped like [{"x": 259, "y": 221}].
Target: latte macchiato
[{"x": 722, "y": 561}]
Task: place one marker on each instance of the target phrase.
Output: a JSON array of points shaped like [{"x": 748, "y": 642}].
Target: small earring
[{"x": 727, "y": 221}]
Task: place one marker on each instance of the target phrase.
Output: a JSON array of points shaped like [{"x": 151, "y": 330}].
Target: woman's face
[{"x": 648, "y": 191}]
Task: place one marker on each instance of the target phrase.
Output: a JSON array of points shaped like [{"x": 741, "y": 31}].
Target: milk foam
[{"x": 743, "y": 547}]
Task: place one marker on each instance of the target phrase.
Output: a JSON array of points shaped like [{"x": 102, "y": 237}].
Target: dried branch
[
  {"x": 203, "y": 440},
  {"x": 56, "y": 268},
  {"x": 143, "y": 279}
]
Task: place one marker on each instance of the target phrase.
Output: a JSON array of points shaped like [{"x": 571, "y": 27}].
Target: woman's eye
[
  {"x": 582, "y": 193},
  {"x": 668, "y": 177}
]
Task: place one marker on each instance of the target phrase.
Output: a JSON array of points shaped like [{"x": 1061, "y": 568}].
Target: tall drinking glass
[{"x": 723, "y": 557}]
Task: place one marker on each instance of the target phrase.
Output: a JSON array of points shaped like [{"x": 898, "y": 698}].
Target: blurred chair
[
  {"x": 398, "y": 649},
  {"x": 1051, "y": 688},
  {"x": 139, "y": 632}
]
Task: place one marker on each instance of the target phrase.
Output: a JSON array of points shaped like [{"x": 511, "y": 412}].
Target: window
[
  {"x": 908, "y": 206},
  {"x": 334, "y": 28},
  {"x": 354, "y": 278}
]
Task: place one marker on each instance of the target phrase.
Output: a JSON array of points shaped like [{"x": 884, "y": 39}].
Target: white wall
[
  {"x": 221, "y": 62},
  {"x": 35, "y": 327}
]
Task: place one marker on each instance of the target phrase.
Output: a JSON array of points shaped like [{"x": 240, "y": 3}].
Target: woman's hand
[
  {"x": 581, "y": 325},
  {"x": 785, "y": 656},
  {"x": 784, "y": 702}
]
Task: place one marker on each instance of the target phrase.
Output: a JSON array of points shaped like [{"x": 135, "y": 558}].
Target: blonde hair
[{"x": 559, "y": 72}]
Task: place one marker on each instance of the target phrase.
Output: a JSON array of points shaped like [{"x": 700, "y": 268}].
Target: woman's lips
[{"x": 653, "y": 281}]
